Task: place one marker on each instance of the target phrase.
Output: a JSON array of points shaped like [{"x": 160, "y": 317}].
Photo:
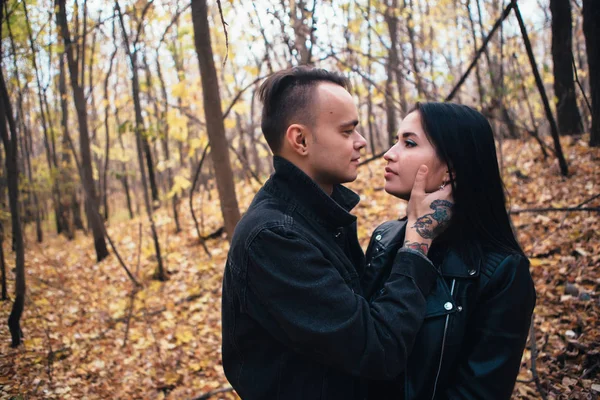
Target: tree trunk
[
  {"x": 49, "y": 136},
  {"x": 3, "y": 205},
  {"x": 413, "y": 46},
  {"x": 394, "y": 60},
  {"x": 480, "y": 88},
  {"x": 569, "y": 120},
  {"x": 107, "y": 130},
  {"x": 66, "y": 175},
  {"x": 165, "y": 143},
  {"x": 538, "y": 80},
  {"x": 123, "y": 176},
  {"x": 388, "y": 87},
  {"x": 10, "y": 141},
  {"x": 299, "y": 15},
  {"x": 497, "y": 98},
  {"x": 139, "y": 127},
  {"x": 392, "y": 64},
  {"x": 84, "y": 139},
  {"x": 591, "y": 30},
  {"x": 214, "y": 117},
  {"x": 32, "y": 198},
  {"x": 2, "y": 263},
  {"x": 150, "y": 164}
]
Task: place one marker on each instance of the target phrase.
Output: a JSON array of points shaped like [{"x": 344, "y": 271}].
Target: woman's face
[{"x": 411, "y": 150}]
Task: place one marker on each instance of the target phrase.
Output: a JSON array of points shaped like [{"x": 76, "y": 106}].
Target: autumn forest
[{"x": 132, "y": 144}]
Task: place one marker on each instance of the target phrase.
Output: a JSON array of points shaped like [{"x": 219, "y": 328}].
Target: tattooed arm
[{"x": 428, "y": 214}]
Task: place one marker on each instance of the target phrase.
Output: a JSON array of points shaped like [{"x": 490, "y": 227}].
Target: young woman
[{"x": 478, "y": 315}]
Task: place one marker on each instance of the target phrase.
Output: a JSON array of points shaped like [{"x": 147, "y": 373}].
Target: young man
[{"x": 295, "y": 325}]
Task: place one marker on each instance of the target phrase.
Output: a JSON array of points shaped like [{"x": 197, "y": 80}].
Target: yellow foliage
[
  {"x": 180, "y": 183},
  {"x": 251, "y": 69},
  {"x": 177, "y": 125},
  {"x": 241, "y": 107},
  {"x": 180, "y": 89},
  {"x": 118, "y": 154},
  {"x": 354, "y": 26},
  {"x": 195, "y": 144},
  {"x": 230, "y": 123},
  {"x": 184, "y": 335}
]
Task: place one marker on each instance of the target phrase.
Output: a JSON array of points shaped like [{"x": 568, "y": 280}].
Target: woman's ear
[
  {"x": 449, "y": 176},
  {"x": 295, "y": 136}
]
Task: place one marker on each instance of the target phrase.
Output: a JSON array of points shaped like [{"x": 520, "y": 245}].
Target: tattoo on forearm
[
  {"x": 429, "y": 225},
  {"x": 420, "y": 247}
]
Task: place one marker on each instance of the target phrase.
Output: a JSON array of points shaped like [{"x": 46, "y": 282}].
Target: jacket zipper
[{"x": 443, "y": 343}]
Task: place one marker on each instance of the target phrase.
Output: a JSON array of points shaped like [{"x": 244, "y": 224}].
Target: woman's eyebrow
[{"x": 409, "y": 134}]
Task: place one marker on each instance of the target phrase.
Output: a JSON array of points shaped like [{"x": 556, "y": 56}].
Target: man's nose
[{"x": 360, "y": 142}]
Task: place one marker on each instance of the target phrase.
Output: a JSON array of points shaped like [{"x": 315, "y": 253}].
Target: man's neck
[
  {"x": 302, "y": 166},
  {"x": 327, "y": 188}
]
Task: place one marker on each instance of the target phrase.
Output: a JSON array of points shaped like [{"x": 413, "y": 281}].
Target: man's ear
[{"x": 296, "y": 136}]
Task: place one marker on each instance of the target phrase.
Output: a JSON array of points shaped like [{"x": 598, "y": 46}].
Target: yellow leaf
[
  {"x": 42, "y": 302},
  {"x": 251, "y": 69},
  {"x": 229, "y": 123},
  {"x": 536, "y": 262},
  {"x": 179, "y": 89},
  {"x": 184, "y": 335},
  {"x": 180, "y": 183},
  {"x": 172, "y": 378},
  {"x": 196, "y": 143}
]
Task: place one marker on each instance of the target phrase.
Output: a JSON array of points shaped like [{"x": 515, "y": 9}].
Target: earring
[{"x": 443, "y": 185}]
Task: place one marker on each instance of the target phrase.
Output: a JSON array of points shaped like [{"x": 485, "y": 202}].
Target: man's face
[{"x": 333, "y": 143}]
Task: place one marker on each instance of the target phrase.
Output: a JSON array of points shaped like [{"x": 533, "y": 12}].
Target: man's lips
[{"x": 357, "y": 159}]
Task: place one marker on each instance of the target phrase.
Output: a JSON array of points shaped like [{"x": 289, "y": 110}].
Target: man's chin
[{"x": 351, "y": 178}]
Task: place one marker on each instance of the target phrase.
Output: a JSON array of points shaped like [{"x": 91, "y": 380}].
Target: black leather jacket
[
  {"x": 476, "y": 326},
  {"x": 295, "y": 324}
]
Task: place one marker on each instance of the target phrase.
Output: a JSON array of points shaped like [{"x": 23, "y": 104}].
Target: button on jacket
[
  {"x": 475, "y": 327},
  {"x": 295, "y": 325}
]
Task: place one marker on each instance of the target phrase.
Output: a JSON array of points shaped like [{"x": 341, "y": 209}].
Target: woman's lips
[{"x": 389, "y": 173}]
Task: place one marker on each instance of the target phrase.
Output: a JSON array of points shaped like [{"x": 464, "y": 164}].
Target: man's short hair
[{"x": 287, "y": 97}]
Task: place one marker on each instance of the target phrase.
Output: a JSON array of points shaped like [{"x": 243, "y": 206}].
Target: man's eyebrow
[{"x": 354, "y": 122}]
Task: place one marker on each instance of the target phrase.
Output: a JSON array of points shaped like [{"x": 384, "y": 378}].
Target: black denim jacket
[
  {"x": 295, "y": 325},
  {"x": 476, "y": 325}
]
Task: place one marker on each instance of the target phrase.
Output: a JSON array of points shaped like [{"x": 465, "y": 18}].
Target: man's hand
[{"x": 428, "y": 213}]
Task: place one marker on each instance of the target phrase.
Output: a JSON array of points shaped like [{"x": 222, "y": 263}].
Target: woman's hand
[{"x": 428, "y": 213}]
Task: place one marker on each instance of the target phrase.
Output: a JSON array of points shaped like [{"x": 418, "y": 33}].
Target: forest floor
[{"x": 89, "y": 334}]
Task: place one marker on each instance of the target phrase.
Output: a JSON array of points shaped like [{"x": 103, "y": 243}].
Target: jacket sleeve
[
  {"x": 489, "y": 365},
  {"x": 303, "y": 301}
]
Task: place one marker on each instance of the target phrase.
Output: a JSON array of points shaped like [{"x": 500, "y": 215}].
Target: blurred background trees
[{"x": 108, "y": 108}]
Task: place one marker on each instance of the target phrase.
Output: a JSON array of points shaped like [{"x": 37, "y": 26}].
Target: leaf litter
[{"x": 79, "y": 343}]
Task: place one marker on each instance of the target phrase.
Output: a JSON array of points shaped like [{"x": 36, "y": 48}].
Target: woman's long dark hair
[{"x": 464, "y": 140}]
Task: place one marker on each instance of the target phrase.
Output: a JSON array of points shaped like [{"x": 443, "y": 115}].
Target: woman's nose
[{"x": 389, "y": 155}]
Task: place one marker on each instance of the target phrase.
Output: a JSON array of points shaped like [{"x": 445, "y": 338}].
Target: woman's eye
[{"x": 409, "y": 143}]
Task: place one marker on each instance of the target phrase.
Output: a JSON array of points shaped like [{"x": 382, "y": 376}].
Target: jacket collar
[
  {"x": 292, "y": 185},
  {"x": 455, "y": 267},
  {"x": 391, "y": 235}
]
